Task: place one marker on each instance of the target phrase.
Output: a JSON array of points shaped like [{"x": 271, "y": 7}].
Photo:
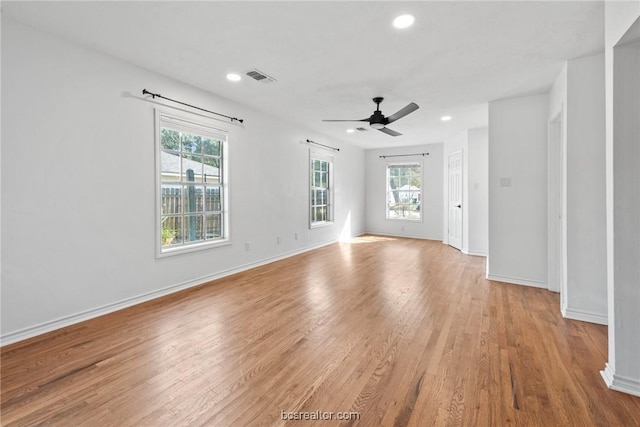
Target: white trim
[
  {"x": 42, "y": 328},
  {"x": 585, "y": 316},
  {"x": 517, "y": 281},
  {"x": 473, "y": 253},
  {"x": 619, "y": 382}
]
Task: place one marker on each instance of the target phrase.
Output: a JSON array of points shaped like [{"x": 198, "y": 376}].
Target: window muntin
[
  {"x": 321, "y": 190},
  {"x": 192, "y": 185},
  {"x": 404, "y": 191}
]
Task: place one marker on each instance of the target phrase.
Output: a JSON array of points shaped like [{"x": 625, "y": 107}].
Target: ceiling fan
[{"x": 379, "y": 121}]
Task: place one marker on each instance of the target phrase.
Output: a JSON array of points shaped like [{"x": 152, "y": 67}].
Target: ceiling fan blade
[
  {"x": 403, "y": 112},
  {"x": 390, "y": 132},
  {"x": 356, "y": 120}
]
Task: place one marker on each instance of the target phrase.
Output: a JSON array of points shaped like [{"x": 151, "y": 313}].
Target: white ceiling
[{"x": 331, "y": 57}]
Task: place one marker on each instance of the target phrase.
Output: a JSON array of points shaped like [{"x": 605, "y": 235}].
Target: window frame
[
  {"x": 389, "y": 165},
  {"x": 315, "y": 155},
  {"x": 201, "y": 126}
]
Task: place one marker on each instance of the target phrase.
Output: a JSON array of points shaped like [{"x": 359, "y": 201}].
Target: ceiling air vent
[{"x": 259, "y": 76}]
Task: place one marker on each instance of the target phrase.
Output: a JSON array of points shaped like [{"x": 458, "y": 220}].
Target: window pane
[
  {"x": 169, "y": 166},
  {"x": 193, "y": 198},
  {"x": 169, "y": 139},
  {"x": 321, "y": 197},
  {"x": 210, "y": 147},
  {"x": 212, "y": 199},
  {"x": 192, "y": 168},
  {"x": 171, "y": 199},
  {"x": 325, "y": 166},
  {"x": 171, "y": 230},
  {"x": 213, "y": 226},
  {"x": 193, "y": 230},
  {"x": 191, "y": 143},
  {"x": 394, "y": 183},
  {"x": 211, "y": 169}
]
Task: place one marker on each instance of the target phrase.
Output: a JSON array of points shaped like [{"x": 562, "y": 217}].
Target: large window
[
  {"x": 321, "y": 190},
  {"x": 192, "y": 185},
  {"x": 404, "y": 191}
]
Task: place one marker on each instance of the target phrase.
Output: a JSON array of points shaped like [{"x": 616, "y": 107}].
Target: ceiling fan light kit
[{"x": 379, "y": 122}]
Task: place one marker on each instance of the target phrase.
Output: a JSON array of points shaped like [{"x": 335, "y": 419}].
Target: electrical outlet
[
  {"x": 278, "y": 241},
  {"x": 296, "y": 236},
  {"x": 247, "y": 246}
]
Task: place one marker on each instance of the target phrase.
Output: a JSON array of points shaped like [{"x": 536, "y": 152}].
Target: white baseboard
[
  {"x": 517, "y": 281},
  {"x": 585, "y": 316},
  {"x": 619, "y": 382},
  {"x": 42, "y": 328},
  {"x": 474, "y": 253}
]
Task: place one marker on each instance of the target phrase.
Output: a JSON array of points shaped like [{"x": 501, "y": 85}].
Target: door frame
[
  {"x": 462, "y": 207},
  {"x": 557, "y": 208}
]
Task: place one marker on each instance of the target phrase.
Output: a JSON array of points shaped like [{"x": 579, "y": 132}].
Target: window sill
[
  {"x": 196, "y": 247},
  {"x": 321, "y": 224}
]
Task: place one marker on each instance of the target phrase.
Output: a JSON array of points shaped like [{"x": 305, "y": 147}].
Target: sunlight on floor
[{"x": 369, "y": 238}]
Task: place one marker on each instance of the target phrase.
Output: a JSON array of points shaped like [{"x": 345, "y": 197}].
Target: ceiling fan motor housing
[{"x": 377, "y": 119}]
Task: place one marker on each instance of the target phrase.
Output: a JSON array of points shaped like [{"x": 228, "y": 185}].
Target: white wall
[
  {"x": 622, "y": 83},
  {"x": 518, "y": 190},
  {"x": 578, "y": 97},
  {"x": 478, "y": 192},
  {"x": 431, "y": 225},
  {"x": 78, "y": 186},
  {"x": 586, "y": 297}
]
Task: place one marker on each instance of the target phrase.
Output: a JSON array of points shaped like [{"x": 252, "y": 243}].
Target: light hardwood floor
[{"x": 399, "y": 331}]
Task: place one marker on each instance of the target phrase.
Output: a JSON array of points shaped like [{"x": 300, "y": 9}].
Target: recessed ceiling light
[
  {"x": 404, "y": 21},
  {"x": 351, "y": 130},
  {"x": 445, "y": 118},
  {"x": 234, "y": 77}
]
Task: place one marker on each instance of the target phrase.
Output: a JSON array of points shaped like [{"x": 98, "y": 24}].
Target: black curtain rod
[
  {"x": 153, "y": 95},
  {"x": 322, "y": 145},
  {"x": 404, "y": 155}
]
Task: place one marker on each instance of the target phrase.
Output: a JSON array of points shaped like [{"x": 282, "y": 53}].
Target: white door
[{"x": 455, "y": 199}]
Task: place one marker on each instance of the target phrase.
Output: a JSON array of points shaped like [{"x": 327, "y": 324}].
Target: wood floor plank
[{"x": 396, "y": 332}]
